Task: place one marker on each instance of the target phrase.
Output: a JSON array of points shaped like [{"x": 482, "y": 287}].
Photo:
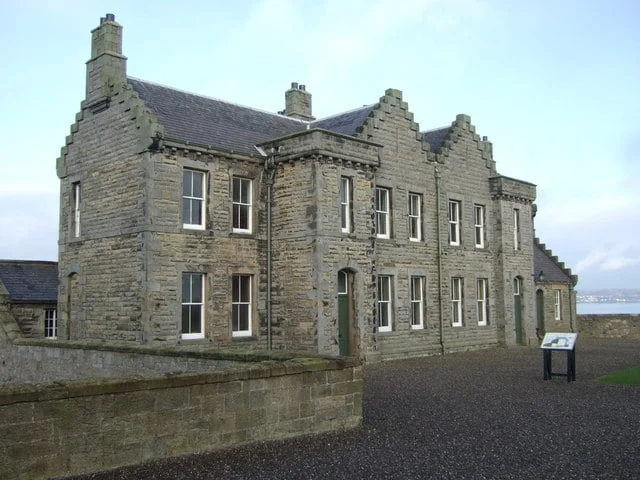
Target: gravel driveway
[{"x": 477, "y": 415}]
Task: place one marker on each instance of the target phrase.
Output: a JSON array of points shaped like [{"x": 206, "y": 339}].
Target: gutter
[{"x": 436, "y": 175}]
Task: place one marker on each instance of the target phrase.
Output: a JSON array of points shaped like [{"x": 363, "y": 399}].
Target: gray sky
[{"x": 553, "y": 84}]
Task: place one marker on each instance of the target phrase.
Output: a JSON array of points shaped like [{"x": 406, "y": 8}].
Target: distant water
[{"x": 598, "y": 308}]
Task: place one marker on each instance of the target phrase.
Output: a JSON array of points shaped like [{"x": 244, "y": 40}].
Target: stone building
[
  {"x": 29, "y": 293},
  {"x": 555, "y": 294},
  {"x": 187, "y": 219}
]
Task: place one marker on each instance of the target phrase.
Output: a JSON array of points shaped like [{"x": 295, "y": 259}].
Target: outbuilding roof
[
  {"x": 30, "y": 281},
  {"x": 552, "y": 269}
]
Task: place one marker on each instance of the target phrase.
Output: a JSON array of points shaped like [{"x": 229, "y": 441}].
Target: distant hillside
[{"x": 609, "y": 295}]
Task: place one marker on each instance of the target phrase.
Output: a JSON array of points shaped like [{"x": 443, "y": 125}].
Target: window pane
[
  {"x": 236, "y": 189},
  {"x": 186, "y": 288},
  {"x": 196, "y": 312},
  {"x": 186, "y": 316},
  {"x": 196, "y": 288},
  {"x": 186, "y": 211},
  {"x": 197, "y": 184},
  {"x": 187, "y": 177},
  {"x": 245, "y": 289}
]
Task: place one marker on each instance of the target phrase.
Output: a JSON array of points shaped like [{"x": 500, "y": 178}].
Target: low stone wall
[
  {"x": 610, "y": 326},
  {"x": 79, "y": 426}
]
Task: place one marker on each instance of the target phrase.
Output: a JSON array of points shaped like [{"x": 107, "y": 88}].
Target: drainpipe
[
  {"x": 436, "y": 175},
  {"x": 571, "y": 307},
  {"x": 270, "y": 169}
]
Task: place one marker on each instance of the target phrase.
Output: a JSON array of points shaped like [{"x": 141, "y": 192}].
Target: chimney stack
[
  {"x": 298, "y": 102},
  {"x": 107, "y": 65}
]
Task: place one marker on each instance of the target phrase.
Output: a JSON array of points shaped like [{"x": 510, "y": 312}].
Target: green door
[
  {"x": 517, "y": 308},
  {"x": 344, "y": 312},
  {"x": 540, "y": 312}
]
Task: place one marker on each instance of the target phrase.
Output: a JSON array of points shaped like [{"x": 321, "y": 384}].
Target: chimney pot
[
  {"x": 484, "y": 138},
  {"x": 294, "y": 84},
  {"x": 111, "y": 17},
  {"x": 303, "y": 88}
]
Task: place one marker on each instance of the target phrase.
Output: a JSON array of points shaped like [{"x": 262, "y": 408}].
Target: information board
[{"x": 559, "y": 341}]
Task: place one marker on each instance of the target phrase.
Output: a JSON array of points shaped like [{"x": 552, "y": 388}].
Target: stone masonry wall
[
  {"x": 30, "y": 317},
  {"x": 567, "y": 309},
  {"x": 81, "y": 426},
  {"x": 101, "y": 271},
  {"x": 610, "y": 326}
]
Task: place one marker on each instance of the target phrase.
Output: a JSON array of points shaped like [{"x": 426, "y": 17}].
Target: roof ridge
[
  {"x": 343, "y": 113},
  {"x": 435, "y": 129},
  {"x": 208, "y": 97}
]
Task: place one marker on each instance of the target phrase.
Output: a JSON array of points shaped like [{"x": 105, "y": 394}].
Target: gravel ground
[{"x": 477, "y": 415}]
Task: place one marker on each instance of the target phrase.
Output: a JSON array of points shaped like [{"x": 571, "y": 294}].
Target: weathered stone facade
[{"x": 125, "y": 246}]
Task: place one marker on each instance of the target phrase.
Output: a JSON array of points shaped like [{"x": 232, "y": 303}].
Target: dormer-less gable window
[
  {"x": 242, "y": 202},
  {"x": 75, "y": 219},
  {"x": 454, "y": 222},
  {"x": 383, "y": 211},
  {"x": 193, "y": 199}
]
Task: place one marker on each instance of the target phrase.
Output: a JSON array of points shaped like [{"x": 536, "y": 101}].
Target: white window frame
[
  {"x": 240, "y": 205},
  {"x": 190, "y": 300},
  {"x": 415, "y": 217},
  {"x": 346, "y": 223},
  {"x": 241, "y": 304},
  {"x": 479, "y": 219},
  {"x": 482, "y": 297},
  {"x": 557, "y": 304},
  {"x": 516, "y": 229},
  {"x": 456, "y": 301},
  {"x": 193, "y": 199},
  {"x": 416, "y": 295},
  {"x": 50, "y": 323},
  {"x": 76, "y": 209},
  {"x": 384, "y": 303},
  {"x": 383, "y": 208},
  {"x": 454, "y": 222}
]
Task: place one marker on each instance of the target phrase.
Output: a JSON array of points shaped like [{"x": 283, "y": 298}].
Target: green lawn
[{"x": 630, "y": 376}]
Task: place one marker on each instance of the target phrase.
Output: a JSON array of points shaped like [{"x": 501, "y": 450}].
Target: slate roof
[
  {"x": 552, "y": 271},
  {"x": 206, "y": 121},
  {"x": 435, "y": 137},
  {"x": 345, "y": 123},
  {"x": 30, "y": 281}
]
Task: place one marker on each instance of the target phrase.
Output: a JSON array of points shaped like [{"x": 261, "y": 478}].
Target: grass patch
[{"x": 630, "y": 376}]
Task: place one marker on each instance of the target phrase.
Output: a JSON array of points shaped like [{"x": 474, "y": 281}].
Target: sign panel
[{"x": 559, "y": 341}]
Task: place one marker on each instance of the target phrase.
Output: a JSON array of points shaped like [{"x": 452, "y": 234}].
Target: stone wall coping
[{"x": 244, "y": 370}]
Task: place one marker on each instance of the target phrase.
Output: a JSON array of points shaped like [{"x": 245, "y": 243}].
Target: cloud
[{"x": 609, "y": 258}]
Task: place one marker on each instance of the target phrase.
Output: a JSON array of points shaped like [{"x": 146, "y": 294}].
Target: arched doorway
[
  {"x": 540, "y": 311},
  {"x": 517, "y": 308},
  {"x": 347, "y": 341}
]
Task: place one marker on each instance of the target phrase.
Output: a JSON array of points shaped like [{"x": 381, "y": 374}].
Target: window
[
  {"x": 516, "y": 229},
  {"x": 482, "y": 294},
  {"x": 75, "y": 220},
  {"x": 50, "y": 323},
  {"x": 382, "y": 212},
  {"x": 557, "y": 304},
  {"x": 384, "y": 303},
  {"x": 241, "y": 199},
  {"x": 478, "y": 213},
  {"x": 417, "y": 302},
  {"x": 456, "y": 302},
  {"x": 192, "y": 305},
  {"x": 241, "y": 306},
  {"x": 345, "y": 204},
  {"x": 193, "y": 205},
  {"x": 454, "y": 222},
  {"x": 415, "y": 217}
]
